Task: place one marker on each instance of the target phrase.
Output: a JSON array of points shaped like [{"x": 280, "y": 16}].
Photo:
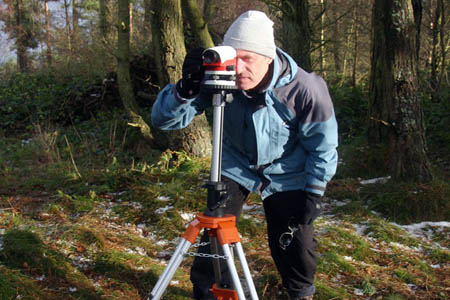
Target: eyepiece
[{"x": 211, "y": 56}]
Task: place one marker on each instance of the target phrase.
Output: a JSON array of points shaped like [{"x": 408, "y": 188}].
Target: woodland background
[{"x": 91, "y": 195}]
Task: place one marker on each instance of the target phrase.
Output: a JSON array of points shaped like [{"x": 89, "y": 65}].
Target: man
[{"x": 279, "y": 140}]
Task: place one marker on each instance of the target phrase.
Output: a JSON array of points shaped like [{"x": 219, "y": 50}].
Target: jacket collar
[{"x": 284, "y": 69}]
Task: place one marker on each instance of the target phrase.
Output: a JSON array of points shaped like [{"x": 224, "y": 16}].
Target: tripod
[{"x": 221, "y": 228}]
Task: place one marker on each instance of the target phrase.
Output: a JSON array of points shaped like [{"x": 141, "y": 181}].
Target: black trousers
[{"x": 296, "y": 264}]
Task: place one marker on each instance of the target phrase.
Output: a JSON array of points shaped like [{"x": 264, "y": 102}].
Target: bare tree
[
  {"x": 438, "y": 49},
  {"x": 22, "y": 27},
  {"x": 197, "y": 24},
  {"x": 123, "y": 71},
  {"x": 295, "y": 28},
  {"x": 395, "y": 109},
  {"x": 105, "y": 19},
  {"x": 169, "y": 48},
  {"x": 47, "y": 34},
  {"x": 75, "y": 21}
]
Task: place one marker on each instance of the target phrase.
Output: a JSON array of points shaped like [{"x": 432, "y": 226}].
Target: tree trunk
[
  {"x": 105, "y": 20},
  {"x": 337, "y": 54},
  {"x": 75, "y": 19},
  {"x": 68, "y": 27},
  {"x": 355, "y": 42},
  {"x": 347, "y": 50},
  {"x": 147, "y": 20},
  {"x": 396, "y": 113},
  {"x": 322, "y": 38},
  {"x": 438, "y": 50},
  {"x": 168, "y": 40},
  {"x": 123, "y": 71},
  {"x": 131, "y": 20},
  {"x": 418, "y": 12},
  {"x": 47, "y": 35},
  {"x": 296, "y": 27},
  {"x": 198, "y": 24},
  {"x": 443, "y": 41},
  {"x": 22, "y": 58}
]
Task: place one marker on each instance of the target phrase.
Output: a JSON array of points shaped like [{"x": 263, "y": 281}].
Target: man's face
[{"x": 251, "y": 69}]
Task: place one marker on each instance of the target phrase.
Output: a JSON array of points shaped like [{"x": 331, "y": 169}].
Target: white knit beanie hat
[{"x": 252, "y": 31}]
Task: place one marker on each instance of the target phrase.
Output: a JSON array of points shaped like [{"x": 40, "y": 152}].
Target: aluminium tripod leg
[
  {"x": 246, "y": 270},
  {"x": 233, "y": 272},
  {"x": 170, "y": 270}
]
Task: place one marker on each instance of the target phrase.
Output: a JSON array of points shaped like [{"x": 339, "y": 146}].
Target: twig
[{"x": 71, "y": 157}]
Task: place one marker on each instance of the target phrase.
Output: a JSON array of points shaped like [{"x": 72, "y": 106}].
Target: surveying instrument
[{"x": 220, "y": 75}]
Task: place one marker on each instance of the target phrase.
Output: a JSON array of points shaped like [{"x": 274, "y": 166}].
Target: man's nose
[{"x": 239, "y": 66}]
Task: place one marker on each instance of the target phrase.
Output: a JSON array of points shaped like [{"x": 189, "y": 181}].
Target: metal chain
[
  {"x": 201, "y": 244},
  {"x": 207, "y": 255}
]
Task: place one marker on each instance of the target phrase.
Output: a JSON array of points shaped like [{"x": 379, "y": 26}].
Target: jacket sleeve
[
  {"x": 319, "y": 137},
  {"x": 170, "y": 111}
]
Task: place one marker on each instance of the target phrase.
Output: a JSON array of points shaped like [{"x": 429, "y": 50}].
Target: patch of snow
[
  {"x": 116, "y": 194},
  {"x": 162, "y": 243},
  {"x": 73, "y": 289},
  {"x": 400, "y": 246},
  {"x": 375, "y": 180},
  {"x": 436, "y": 266},
  {"x": 360, "y": 228},
  {"x": 418, "y": 228},
  {"x": 412, "y": 287},
  {"x": 162, "y": 210},
  {"x": 40, "y": 278},
  {"x": 82, "y": 262},
  {"x": 348, "y": 258},
  {"x": 249, "y": 207},
  {"x": 341, "y": 203},
  {"x": 358, "y": 292},
  {"x": 137, "y": 250},
  {"x": 175, "y": 282},
  {"x": 163, "y": 198},
  {"x": 165, "y": 253},
  {"x": 376, "y": 213},
  {"x": 425, "y": 230},
  {"x": 187, "y": 216},
  {"x": 136, "y": 205}
]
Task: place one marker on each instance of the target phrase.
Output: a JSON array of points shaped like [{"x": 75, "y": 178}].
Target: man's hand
[{"x": 193, "y": 72}]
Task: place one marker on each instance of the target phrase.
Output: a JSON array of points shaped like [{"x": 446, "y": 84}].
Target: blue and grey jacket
[{"x": 281, "y": 139}]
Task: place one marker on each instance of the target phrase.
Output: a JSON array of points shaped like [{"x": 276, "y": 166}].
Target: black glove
[
  {"x": 193, "y": 72},
  {"x": 312, "y": 209}
]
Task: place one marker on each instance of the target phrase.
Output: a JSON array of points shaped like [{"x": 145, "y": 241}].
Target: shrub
[{"x": 27, "y": 99}]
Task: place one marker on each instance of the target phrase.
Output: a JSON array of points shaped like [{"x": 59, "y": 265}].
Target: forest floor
[{"x": 80, "y": 219}]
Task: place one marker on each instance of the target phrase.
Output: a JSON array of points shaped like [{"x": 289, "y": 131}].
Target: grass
[{"x": 88, "y": 212}]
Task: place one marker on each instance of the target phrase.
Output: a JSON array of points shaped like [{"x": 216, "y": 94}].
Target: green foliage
[
  {"x": 78, "y": 204},
  {"x": 410, "y": 203},
  {"x": 14, "y": 285},
  {"x": 404, "y": 275},
  {"x": 437, "y": 121},
  {"x": 359, "y": 160},
  {"x": 122, "y": 216},
  {"x": 25, "y": 248},
  {"x": 28, "y": 30},
  {"x": 350, "y": 105},
  {"x": 368, "y": 287},
  {"x": 27, "y": 99}
]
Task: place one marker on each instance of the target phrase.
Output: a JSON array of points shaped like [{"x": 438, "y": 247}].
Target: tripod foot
[{"x": 224, "y": 294}]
